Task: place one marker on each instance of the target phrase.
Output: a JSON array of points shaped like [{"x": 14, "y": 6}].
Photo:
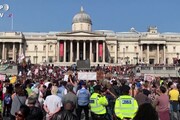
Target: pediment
[{"x": 82, "y": 33}]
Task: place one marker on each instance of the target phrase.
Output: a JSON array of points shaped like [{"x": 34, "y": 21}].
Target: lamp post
[
  {"x": 123, "y": 55},
  {"x": 177, "y": 58},
  {"x": 36, "y": 48},
  {"x": 137, "y": 58},
  {"x": 127, "y": 60}
]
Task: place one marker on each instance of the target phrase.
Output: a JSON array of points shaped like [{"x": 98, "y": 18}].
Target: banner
[
  {"x": 2, "y": 77},
  {"x": 87, "y": 76},
  {"x": 149, "y": 77},
  {"x": 61, "y": 49},
  {"x": 100, "y": 49}
]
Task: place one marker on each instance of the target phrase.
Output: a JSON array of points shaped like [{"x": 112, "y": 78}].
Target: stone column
[
  {"x": 115, "y": 59},
  {"x": 71, "y": 51},
  {"x": 64, "y": 51},
  {"x": 20, "y": 48},
  {"x": 47, "y": 51},
  {"x": 141, "y": 51},
  {"x": 3, "y": 51},
  {"x": 13, "y": 52},
  {"x": 164, "y": 53},
  {"x": 90, "y": 52},
  {"x": 84, "y": 50},
  {"x": 97, "y": 51},
  {"x": 58, "y": 42},
  {"x": 77, "y": 51},
  {"x": 104, "y": 50},
  {"x": 147, "y": 53},
  {"x": 157, "y": 54}
]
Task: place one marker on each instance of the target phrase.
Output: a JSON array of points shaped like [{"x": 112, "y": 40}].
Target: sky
[{"x": 115, "y": 15}]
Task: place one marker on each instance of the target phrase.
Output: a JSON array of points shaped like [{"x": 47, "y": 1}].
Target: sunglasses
[{"x": 18, "y": 114}]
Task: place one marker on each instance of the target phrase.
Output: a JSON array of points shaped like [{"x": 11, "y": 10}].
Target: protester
[
  {"x": 7, "y": 103},
  {"x": 18, "y": 100},
  {"x": 146, "y": 112},
  {"x": 162, "y": 104},
  {"x": 142, "y": 98},
  {"x": 174, "y": 103},
  {"x": 83, "y": 96},
  {"x": 52, "y": 103},
  {"x": 35, "y": 112},
  {"x": 67, "y": 113},
  {"x": 38, "y": 81},
  {"x": 70, "y": 96},
  {"x": 22, "y": 113}
]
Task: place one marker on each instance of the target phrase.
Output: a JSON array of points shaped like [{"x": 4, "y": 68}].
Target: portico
[
  {"x": 91, "y": 46},
  {"x": 153, "y": 52}
]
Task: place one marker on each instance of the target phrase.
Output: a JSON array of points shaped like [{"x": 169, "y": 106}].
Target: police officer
[
  {"x": 98, "y": 103},
  {"x": 125, "y": 105}
]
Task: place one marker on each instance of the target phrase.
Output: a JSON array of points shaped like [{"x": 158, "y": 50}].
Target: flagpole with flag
[{"x": 12, "y": 21}]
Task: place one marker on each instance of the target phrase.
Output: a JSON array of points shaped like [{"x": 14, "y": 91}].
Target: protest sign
[
  {"x": 87, "y": 75},
  {"x": 2, "y": 77},
  {"x": 149, "y": 77}
]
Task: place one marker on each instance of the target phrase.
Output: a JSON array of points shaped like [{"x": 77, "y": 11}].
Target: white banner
[
  {"x": 149, "y": 77},
  {"x": 87, "y": 75}
]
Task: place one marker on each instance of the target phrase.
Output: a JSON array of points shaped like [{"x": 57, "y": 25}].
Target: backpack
[
  {"x": 83, "y": 97},
  {"x": 7, "y": 99}
]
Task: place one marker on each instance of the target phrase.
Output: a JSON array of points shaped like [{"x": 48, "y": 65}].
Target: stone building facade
[{"x": 99, "y": 46}]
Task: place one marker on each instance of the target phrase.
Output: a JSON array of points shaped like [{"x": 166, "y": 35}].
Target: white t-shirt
[
  {"x": 53, "y": 102},
  {"x": 47, "y": 84}
]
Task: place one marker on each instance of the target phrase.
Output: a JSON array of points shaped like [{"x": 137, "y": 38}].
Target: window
[
  {"x": 111, "y": 48},
  {"x": 35, "y": 58},
  {"x": 174, "y": 49},
  {"x": 126, "y": 48},
  {"x": 43, "y": 58},
  {"x": 35, "y": 48},
  {"x": 44, "y": 47},
  {"x": 50, "y": 47},
  {"x": 135, "y": 48},
  {"x": 50, "y": 59}
]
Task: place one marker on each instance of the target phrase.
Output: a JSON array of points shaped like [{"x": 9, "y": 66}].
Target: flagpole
[{"x": 12, "y": 22}]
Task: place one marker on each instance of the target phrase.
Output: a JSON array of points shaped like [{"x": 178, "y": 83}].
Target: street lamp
[
  {"x": 177, "y": 58},
  {"x": 36, "y": 48},
  {"x": 127, "y": 60},
  {"x": 137, "y": 57},
  {"x": 123, "y": 55}
]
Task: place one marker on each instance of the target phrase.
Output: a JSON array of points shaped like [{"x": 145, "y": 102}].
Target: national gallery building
[{"x": 99, "y": 46}]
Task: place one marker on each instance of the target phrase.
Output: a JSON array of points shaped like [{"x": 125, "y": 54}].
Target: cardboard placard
[{"x": 87, "y": 75}]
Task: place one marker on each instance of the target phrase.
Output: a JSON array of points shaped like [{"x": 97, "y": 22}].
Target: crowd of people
[{"x": 41, "y": 93}]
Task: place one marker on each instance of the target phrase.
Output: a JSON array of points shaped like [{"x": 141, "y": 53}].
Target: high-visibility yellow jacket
[
  {"x": 125, "y": 107},
  {"x": 98, "y": 103}
]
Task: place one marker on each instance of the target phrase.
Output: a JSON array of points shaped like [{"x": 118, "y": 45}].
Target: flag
[
  {"x": 12, "y": 20},
  {"x": 10, "y": 15}
]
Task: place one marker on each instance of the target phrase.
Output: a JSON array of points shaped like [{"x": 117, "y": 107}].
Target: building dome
[{"x": 82, "y": 17}]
